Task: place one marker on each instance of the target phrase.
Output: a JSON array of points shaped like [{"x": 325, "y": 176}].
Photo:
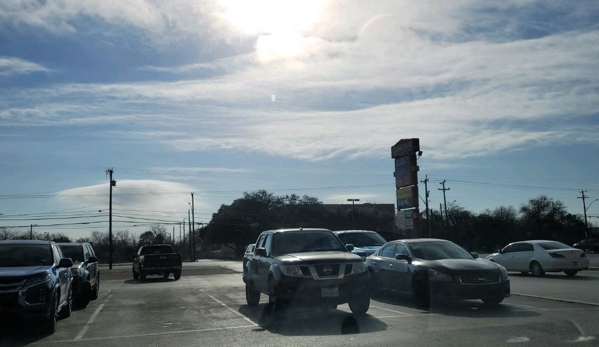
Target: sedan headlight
[
  {"x": 504, "y": 275},
  {"x": 358, "y": 268},
  {"x": 38, "y": 279},
  {"x": 438, "y": 276},
  {"x": 291, "y": 270}
]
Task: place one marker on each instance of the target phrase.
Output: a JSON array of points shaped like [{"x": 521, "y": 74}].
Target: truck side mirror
[
  {"x": 350, "y": 247},
  {"x": 261, "y": 251}
]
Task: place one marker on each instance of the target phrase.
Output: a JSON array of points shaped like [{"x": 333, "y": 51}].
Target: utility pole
[
  {"x": 112, "y": 184},
  {"x": 193, "y": 222},
  {"x": 190, "y": 243},
  {"x": 31, "y": 232},
  {"x": 426, "y": 194},
  {"x": 444, "y": 198},
  {"x": 183, "y": 250},
  {"x": 584, "y": 207},
  {"x": 353, "y": 221},
  {"x": 179, "y": 235}
]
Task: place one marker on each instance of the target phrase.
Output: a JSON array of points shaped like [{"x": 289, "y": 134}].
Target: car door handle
[
  {"x": 390, "y": 265},
  {"x": 374, "y": 263}
]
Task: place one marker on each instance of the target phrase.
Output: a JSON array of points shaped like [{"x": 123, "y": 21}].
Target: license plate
[{"x": 330, "y": 292}]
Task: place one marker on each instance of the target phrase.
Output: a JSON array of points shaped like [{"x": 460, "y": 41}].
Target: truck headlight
[
  {"x": 291, "y": 270},
  {"x": 438, "y": 276},
  {"x": 358, "y": 268},
  {"x": 38, "y": 279},
  {"x": 504, "y": 275}
]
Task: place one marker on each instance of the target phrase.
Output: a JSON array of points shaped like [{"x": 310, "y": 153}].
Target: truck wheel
[
  {"x": 65, "y": 312},
  {"x": 85, "y": 296},
  {"x": 135, "y": 275},
  {"x": 165, "y": 275},
  {"x": 96, "y": 290},
  {"x": 177, "y": 275},
  {"x": 359, "y": 305},
  {"x": 252, "y": 296},
  {"x": 142, "y": 276}
]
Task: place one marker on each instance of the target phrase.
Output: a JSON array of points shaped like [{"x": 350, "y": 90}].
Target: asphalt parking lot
[{"x": 206, "y": 307}]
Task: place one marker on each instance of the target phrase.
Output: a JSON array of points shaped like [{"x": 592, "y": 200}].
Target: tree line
[{"x": 236, "y": 225}]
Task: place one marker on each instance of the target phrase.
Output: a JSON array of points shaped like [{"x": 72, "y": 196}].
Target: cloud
[
  {"x": 14, "y": 66},
  {"x": 348, "y": 85},
  {"x": 148, "y": 198}
]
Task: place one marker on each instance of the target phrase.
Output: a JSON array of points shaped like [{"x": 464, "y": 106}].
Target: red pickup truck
[{"x": 157, "y": 260}]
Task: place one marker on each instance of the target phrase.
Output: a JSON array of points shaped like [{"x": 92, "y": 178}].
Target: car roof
[
  {"x": 421, "y": 240},
  {"x": 72, "y": 243},
  {"x": 353, "y": 231},
  {"x": 535, "y": 241},
  {"x": 297, "y": 230},
  {"x": 26, "y": 242}
]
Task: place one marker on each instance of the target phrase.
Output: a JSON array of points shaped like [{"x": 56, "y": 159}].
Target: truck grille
[{"x": 327, "y": 270}]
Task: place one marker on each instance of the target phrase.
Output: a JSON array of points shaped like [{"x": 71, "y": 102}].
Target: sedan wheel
[
  {"x": 571, "y": 273},
  {"x": 493, "y": 301},
  {"x": 421, "y": 295},
  {"x": 536, "y": 269}
]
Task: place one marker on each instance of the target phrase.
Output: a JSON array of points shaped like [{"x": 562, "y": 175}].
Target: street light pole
[{"x": 353, "y": 221}]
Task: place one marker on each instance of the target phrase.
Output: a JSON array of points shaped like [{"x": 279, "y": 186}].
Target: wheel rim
[{"x": 536, "y": 269}]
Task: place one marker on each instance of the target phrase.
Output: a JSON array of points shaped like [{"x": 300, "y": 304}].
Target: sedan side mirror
[
  {"x": 350, "y": 247},
  {"x": 474, "y": 254},
  {"x": 404, "y": 257},
  {"x": 501, "y": 251}
]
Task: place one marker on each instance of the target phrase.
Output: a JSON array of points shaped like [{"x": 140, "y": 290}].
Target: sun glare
[{"x": 271, "y": 16}]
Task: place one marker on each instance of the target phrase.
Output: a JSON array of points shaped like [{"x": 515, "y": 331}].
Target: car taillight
[
  {"x": 556, "y": 255},
  {"x": 583, "y": 255}
]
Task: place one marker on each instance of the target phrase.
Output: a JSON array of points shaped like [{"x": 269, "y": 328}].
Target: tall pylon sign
[{"x": 406, "y": 153}]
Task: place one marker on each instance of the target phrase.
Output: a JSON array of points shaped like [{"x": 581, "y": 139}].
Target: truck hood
[
  {"x": 320, "y": 257},
  {"x": 24, "y": 272}
]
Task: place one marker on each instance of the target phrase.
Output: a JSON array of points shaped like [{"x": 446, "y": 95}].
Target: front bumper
[
  {"x": 312, "y": 292},
  {"x": 27, "y": 303},
  {"x": 455, "y": 290}
]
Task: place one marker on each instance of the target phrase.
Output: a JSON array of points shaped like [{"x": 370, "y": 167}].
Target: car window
[
  {"x": 511, "y": 248},
  {"x": 549, "y": 245},
  {"x": 26, "y": 255},
  {"x": 401, "y": 249},
  {"x": 387, "y": 251},
  {"x": 75, "y": 252},
  {"x": 306, "y": 241},
  {"x": 525, "y": 247},
  {"x": 439, "y": 250},
  {"x": 362, "y": 239},
  {"x": 267, "y": 243}
]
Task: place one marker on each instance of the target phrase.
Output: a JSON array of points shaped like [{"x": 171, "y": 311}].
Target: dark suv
[
  {"x": 306, "y": 267},
  {"x": 35, "y": 282},
  {"x": 86, "y": 274}
]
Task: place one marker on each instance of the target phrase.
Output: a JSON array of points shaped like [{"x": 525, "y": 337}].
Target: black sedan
[{"x": 434, "y": 269}]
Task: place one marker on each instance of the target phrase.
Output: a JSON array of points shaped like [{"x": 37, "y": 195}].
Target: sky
[{"x": 222, "y": 97}]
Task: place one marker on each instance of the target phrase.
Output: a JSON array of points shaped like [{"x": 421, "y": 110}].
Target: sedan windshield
[
  {"x": 362, "y": 239},
  {"x": 439, "y": 250},
  {"x": 25, "y": 255},
  {"x": 305, "y": 241}
]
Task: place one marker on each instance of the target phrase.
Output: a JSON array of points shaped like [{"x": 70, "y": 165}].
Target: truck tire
[
  {"x": 65, "y": 311},
  {"x": 252, "y": 296},
  {"x": 49, "y": 325},
  {"x": 142, "y": 276},
  {"x": 359, "y": 305},
  {"x": 135, "y": 275},
  {"x": 177, "y": 275}
]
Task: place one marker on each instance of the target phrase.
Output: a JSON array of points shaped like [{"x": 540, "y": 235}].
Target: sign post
[{"x": 406, "y": 183}]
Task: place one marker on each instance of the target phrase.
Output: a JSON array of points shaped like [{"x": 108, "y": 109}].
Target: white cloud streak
[{"x": 14, "y": 66}]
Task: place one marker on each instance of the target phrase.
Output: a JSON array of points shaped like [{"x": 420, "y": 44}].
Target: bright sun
[{"x": 271, "y": 16}]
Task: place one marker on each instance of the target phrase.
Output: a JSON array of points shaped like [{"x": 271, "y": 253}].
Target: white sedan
[{"x": 540, "y": 256}]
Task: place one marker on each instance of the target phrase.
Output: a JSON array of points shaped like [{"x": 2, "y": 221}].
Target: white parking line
[
  {"x": 230, "y": 309},
  {"x": 91, "y": 319}
]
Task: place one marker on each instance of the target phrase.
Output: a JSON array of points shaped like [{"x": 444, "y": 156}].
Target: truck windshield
[
  {"x": 74, "y": 252},
  {"x": 25, "y": 255},
  {"x": 305, "y": 241}
]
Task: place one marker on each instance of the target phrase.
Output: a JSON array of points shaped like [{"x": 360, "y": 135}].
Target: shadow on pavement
[
  {"x": 311, "y": 321},
  {"x": 20, "y": 333}
]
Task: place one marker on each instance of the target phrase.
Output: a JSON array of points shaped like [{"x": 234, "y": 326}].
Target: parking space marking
[
  {"x": 390, "y": 310},
  {"x": 92, "y": 319},
  {"x": 558, "y": 299},
  {"x": 230, "y": 309}
]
